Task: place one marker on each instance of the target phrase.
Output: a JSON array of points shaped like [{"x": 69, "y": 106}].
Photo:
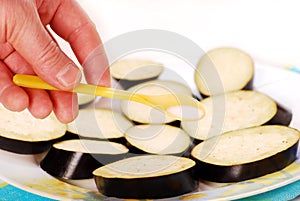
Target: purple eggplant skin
[
  {"x": 71, "y": 136},
  {"x": 248, "y": 86},
  {"x": 126, "y": 84},
  {"x": 175, "y": 123},
  {"x": 133, "y": 150},
  {"x": 25, "y": 147},
  {"x": 282, "y": 117},
  {"x": 148, "y": 188},
  {"x": 75, "y": 165},
  {"x": 242, "y": 172}
]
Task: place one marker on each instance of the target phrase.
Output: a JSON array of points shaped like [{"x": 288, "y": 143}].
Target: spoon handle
[{"x": 31, "y": 81}]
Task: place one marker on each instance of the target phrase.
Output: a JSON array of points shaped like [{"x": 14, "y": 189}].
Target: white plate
[{"x": 25, "y": 173}]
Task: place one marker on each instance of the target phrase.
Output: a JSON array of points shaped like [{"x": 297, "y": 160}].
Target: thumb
[{"x": 33, "y": 42}]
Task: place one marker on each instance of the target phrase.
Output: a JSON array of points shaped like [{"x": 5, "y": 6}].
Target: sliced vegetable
[
  {"x": 84, "y": 99},
  {"x": 21, "y": 133},
  {"x": 77, "y": 159},
  {"x": 246, "y": 153},
  {"x": 104, "y": 124},
  {"x": 157, "y": 139},
  {"x": 146, "y": 177},
  {"x": 140, "y": 113},
  {"x": 235, "y": 110},
  {"x": 224, "y": 70},
  {"x": 283, "y": 116},
  {"x": 132, "y": 72}
]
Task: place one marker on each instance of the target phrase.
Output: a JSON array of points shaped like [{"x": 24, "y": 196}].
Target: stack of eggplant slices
[{"x": 138, "y": 152}]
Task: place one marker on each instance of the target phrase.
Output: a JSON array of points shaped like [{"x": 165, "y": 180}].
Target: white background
[
  {"x": 266, "y": 29},
  {"x": 269, "y": 30}
]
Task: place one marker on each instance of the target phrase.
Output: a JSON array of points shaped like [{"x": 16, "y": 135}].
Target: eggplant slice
[
  {"x": 233, "y": 111},
  {"x": 77, "y": 159},
  {"x": 157, "y": 139},
  {"x": 143, "y": 114},
  {"x": 101, "y": 124},
  {"x": 232, "y": 68},
  {"x": 146, "y": 177},
  {"x": 22, "y": 133},
  {"x": 245, "y": 154},
  {"x": 130, "y": 72},
  {"x": 84, "y": 100}
]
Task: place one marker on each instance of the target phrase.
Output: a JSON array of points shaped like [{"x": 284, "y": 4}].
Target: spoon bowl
[{"x": 177, "y": 106}]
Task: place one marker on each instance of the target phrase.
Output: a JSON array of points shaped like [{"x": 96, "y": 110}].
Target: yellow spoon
[{"x": 178, "y": 106}]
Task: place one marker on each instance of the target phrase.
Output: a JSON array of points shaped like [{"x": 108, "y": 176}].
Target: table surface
[{"x": 9, "y": 192}]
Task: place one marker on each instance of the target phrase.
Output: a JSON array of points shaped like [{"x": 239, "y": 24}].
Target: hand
[{"x": 27, "y": 47}]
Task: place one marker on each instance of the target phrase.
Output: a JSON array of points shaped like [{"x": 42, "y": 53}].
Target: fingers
[
  {"x": 31, "y": 40},
  {"x": 65, "y": 105},
  {"x": 27, "y": 35},
  {"x": 17, "y": 64},
  {"x": 80, "y": 32},
  {"x": 95, "y": 68},
  {"x": 39, "y": 104},
  {"x": 12, "y": 97}
]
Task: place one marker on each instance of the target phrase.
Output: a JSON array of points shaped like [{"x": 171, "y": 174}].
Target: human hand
[{"x": 27, "y": 47}]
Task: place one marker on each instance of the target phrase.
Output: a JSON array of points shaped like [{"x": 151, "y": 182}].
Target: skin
[{"x": 27, "y": 47}]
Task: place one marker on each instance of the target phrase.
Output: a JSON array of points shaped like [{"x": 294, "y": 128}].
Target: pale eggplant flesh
[
  {"x": 223, "y": 70},
  {"x": 237, "y": 173},
  {"x": 148, "y": 188},
  {"x": 22, "y": 133},
  {"x": 157, "y": 139},
  {"x": 245, "y": 154},
  {"x": 142, "y": 114},
  {"x": 236, "y": 110},
  {"x": 77, "y": 164},
  {"x": 131, "y": 72},
  {"x": 99, "y": 124},
  {"x": 112, "y": 181}
]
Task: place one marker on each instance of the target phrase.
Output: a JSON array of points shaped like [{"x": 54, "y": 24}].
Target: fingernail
[{"x": 69, "y": 76}]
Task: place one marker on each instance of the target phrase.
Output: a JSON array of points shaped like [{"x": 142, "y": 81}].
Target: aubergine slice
[
  {"x": 130, "y": 72},
  {"x": 101, "y": 124},
  {"x": 77, "y": 159},
  {"x": 283, "y": 116},
  {"x": 157, "y": 139},
  {"x": 21, "y": 133},
  {"x": 146, "y": 177},
  {"x": 233, "y": 111},
  {"x": 143, "y": 114},
  {"x": 245, "y": 154},
  {"x": 232, "y": 68},
  {"x": 84, "y": 100}
]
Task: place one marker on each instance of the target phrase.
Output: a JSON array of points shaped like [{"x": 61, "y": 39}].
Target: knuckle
[{"x": 49, "y": 56}]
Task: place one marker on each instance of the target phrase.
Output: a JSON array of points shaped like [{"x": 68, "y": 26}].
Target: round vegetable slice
[
  {"x": 84, "y": 99},
  {"x": 77, "y": 159},
  {"x": 131, "y": 72},
  {"x": 141, "y": 113},
  {"x": 158, "y": 139},
  {"x": 232, "y": 111},
  {"x": 233, "y": 67},
  {"x": 99, "y": 123},
  {"x": 246, "y": 153},
  {"x": 22, "y": 133},
  {"x": 146, "y": 177}
]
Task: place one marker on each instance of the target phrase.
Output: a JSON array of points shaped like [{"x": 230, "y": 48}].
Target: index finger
[{"x": 72, "y": 24}]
